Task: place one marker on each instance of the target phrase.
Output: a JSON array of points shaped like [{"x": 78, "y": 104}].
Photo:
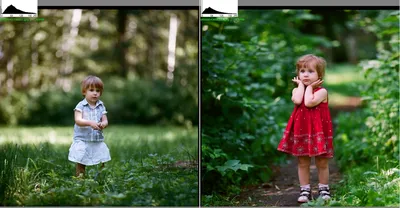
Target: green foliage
[
  {"x": 149, "y": 167},
  {"x": 13, "y": 108},
  {"x": 367, "y": 185},
  {"x": 138, "y": 101},
  {"x": 217, "y": 200},
  {"x": 351, "y": 139},
  {"x": 246, "y": 68},
  {"x": 368, "y": 139},
  {"x": 44, "y": 63},
  {"x": 347, "y": 85},
  {"x": 375, "y": 133},
  {"x": 151, "y": 102}
]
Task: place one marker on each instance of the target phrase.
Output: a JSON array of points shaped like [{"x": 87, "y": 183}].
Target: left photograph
[{"x": 99, "y": 107}]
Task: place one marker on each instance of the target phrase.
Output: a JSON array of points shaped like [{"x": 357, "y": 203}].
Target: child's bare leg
[
  {"x": 323, "y": 169},
  {"x": 304, "y": 170},
  {"x": 323, "y": 176},
  {"x": 80, "y": 169},
  {"x": 98, "y": 172},
  {"x": 304, "y": 178}
]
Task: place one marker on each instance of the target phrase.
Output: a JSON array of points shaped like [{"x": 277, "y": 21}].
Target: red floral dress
[{"x": 309, "y": 131}]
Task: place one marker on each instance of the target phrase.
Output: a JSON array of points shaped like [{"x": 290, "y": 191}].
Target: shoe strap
[
  {"x": 305, "y": 192},
  {"x": 324, "y": 191}
]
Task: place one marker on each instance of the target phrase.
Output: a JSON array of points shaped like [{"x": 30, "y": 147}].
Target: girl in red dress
[{"x": 309, "y": 130}]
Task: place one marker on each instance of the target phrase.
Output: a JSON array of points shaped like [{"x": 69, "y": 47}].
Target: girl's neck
[{"x": 91, "y": 104}]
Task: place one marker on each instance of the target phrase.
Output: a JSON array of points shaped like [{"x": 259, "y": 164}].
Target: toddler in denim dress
[{"x": 88, "y": 147}]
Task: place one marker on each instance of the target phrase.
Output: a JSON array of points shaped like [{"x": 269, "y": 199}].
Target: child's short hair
[
  {"x": 92, "y": 81},
  {"x": 308, "y": 60}
]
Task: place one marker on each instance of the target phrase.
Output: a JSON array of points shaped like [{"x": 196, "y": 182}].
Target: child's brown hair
[
  {"x": 309, "y": 60},
  {"x": 92, "y": 81}
]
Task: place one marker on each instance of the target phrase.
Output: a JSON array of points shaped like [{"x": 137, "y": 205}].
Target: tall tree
[{"x": 121, "y": 47}]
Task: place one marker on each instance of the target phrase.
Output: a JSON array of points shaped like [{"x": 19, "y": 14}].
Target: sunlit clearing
[
  {"x": 339, "y": 78},
  {"x": 340, "y": 74},
  {"x": 64, "y": 135},
  {"x": 337, "y": 99},
  {"x": 168, "y": 136},
  {"x": 35, "y": 135}
]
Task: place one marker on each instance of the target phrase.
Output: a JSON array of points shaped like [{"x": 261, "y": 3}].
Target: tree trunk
[
  {"x": 352, "y": 50},
  {"x": 173, "y": 29},
  {"x": 121, "y": 43},
  {"x": 68, "y": 44}
]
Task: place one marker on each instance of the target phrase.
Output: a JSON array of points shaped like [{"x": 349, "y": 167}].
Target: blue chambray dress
[{"x": 88, "y": 147}]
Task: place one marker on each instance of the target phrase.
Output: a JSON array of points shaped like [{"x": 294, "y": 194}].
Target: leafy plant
[{"x": 369, "y": 138}]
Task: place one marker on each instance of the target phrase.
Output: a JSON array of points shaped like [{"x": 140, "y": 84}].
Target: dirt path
[{"x": 283, "y": 189}]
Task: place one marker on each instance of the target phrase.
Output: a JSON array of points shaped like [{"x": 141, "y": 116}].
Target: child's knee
[
  {"x": 304, "y": 162},
  {"x": 322, "y": 163}
]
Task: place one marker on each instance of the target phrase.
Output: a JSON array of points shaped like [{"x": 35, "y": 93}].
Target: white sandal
[
  {"x": 324, "y": 193},
  {"x": 305, "y": 196}
]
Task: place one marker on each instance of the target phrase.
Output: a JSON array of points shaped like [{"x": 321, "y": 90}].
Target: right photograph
[{"x": 300, "y": 107}]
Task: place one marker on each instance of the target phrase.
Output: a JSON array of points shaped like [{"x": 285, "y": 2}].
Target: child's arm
[
  {"x": 83, "y": 122},
  {"x": 104, "y": 121},
  {"x": 312, "y": 99},
  {"x": 297, "y": 93}
]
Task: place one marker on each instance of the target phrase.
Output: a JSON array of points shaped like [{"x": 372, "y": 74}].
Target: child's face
[
  {"x": 308, "y": 75},
  {"x": 92, "y": 94}
]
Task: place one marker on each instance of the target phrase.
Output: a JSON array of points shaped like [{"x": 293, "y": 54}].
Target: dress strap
[
  {"x": 327, "y": 98},
  {"x": 315, "y": 90}
]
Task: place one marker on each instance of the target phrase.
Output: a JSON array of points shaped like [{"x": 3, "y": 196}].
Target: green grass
[
  {"x": 343, "y": 81},
  {"x": 150, "y": 166},
  {"x": 366, "y": 185}
]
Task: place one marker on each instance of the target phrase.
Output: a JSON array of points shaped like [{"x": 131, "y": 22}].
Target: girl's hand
[
  {"x": 102, "y": 125},
  {"x": 297, "y": 80},
  {"x": 317, "y": 83},
  {"x": 94, "y": 125}
]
